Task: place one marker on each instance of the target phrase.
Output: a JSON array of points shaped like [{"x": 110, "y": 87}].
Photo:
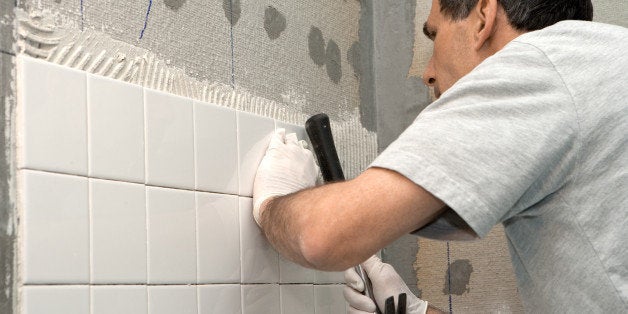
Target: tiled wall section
[{"x": 136, "y": 201}]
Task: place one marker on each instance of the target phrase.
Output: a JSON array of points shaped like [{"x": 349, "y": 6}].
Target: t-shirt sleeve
[{"x": 500, "y": 140}]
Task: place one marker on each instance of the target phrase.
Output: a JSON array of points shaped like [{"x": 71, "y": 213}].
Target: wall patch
[
  {"x": 316, "y": 46},
  {"x": 233, "y": 9},
  {"x": 460, "y": 272},
  {"x": 353, "y": 57},
  {"x": 334, "y": 62},
  {"x": 274, "y": 22},
  {"x": 174, "y": 4}
]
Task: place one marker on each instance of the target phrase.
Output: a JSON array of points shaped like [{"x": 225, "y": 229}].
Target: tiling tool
[
  {"x": 319, "y": 130},
  {"x": 389, "y": 307}
]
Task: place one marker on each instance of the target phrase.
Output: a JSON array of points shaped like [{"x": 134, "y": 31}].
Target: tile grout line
[
  {"x": 196, "y": 207},
  {"x": 176, "y": 284},
  {"x": 90, "y": 218},
  {"x": 146, "y": 211},
  {"x": 128, "y": 182}
]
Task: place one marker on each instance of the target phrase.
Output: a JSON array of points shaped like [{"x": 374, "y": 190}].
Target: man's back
[
  {"x": 535, "y": 138},
  {"x": 576, "y": 237}
]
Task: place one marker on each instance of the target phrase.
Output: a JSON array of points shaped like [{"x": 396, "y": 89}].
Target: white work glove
[
  {"x": 287, "y": 167},
  {"x": 386, "y": 283}
]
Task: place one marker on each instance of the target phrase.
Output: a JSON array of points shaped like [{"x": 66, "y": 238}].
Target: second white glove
[
  {"x": 286, "y": 168},
  {"x": 386, "y": 283}
]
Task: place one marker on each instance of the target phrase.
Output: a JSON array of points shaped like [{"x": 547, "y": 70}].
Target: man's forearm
[
  {"x": 337, "y": 226},
  {"x": 292, "y": 223},
  {"x": 285, "y": 240}
]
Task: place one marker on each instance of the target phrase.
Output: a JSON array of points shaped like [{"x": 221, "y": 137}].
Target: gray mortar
[
  {"x": 6, "y": 26},
  {"x": 274, "y": 22},
  {"x": 333, "y": 62},
  {"x": 398, "y": 98},
  {"x": 316, "y": 46},
  {"x": 174, "y": 4},
  {"x": 457, "y": 277},
  {"x": 233, "y": 9},
  {"x": 7, "y": 207}
]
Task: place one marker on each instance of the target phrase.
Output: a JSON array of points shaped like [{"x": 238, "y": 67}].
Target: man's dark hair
[{"x": 526, "y": 15}]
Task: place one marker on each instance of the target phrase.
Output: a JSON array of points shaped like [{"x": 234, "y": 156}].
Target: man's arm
[{"x": 336, "y": 226}]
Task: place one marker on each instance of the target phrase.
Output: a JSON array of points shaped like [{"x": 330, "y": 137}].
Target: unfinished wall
[{"x": 279, "y": 62}]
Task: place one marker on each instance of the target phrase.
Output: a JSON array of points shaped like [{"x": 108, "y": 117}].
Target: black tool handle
[{"x": 319, "y": 130}]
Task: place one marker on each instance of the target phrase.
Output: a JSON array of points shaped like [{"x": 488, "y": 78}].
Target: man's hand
[
  {"x": 286, "y": 168},
  {"x": 386, "y": 283}
]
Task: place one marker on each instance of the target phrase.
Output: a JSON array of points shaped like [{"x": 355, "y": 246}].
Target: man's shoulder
[{"x": 577, "y": 34}]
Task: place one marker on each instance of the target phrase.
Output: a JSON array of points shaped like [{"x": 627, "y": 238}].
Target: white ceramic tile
[
  {"x": 53, "y": 117},
  {"x": 169, "y": 140},
  {"x": 56, "y": 228},
  {"x": 218, "y": 237},
  {"x": 323, "y": 277},
  {"x": 260, "y": 262},
  {"x": 224, "y": 299},
  {"x": 171, "y": 236},
  {"x": 172, "y": 300},
  {"x": 55, "y": 300},
  {"x": 297, "y": 129},
  {"x": 260, "y": 299},
  {"x": 290, "y": 272},
  {"x": 297, "y": 299},
  {"x": 253, "y": 137},
  {"x": 328, "y": 299},
  {"x": 118, "y": 228},
  {"x": 116, "y": 129},
  {"x": 119, "y": 299},
  {"x": 215, "y": 136}
]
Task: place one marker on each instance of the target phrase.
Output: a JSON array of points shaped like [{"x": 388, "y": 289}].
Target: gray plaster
[
  {"x": 274, "y": 22},
  {"x": 333, "y": 62},
  {"x": 457, "y": 277},
  {"x": 353, "y": 57},
  {"x": 398, "y": 98},
  {"x": 232, "y": 9},
  {"x": 316, "y": 46},
  {"x": 6, "y": 26},
  {"x": 174, "y": 4},
  {"x": 7, "y": 207}
]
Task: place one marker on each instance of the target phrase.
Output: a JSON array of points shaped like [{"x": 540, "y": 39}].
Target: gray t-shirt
[{"x": 536, "y": 138}]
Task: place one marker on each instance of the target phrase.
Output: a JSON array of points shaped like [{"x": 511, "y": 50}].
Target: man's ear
[{"x": 485, "y": 22}]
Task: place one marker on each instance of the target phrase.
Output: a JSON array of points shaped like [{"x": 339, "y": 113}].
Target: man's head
[{"x": 465, "y": 32}]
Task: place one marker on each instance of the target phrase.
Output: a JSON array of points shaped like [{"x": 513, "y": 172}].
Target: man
[{"x": 530, "y": 130}]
